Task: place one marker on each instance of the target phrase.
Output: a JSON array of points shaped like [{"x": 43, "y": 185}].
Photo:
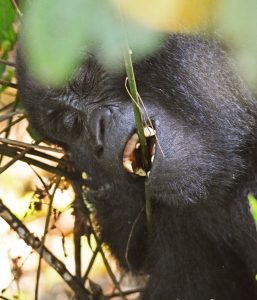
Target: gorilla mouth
[{"x": 132, "y": 160}]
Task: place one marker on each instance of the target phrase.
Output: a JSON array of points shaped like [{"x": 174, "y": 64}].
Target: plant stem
[
  {"x": 140, "y": 127},
  {"x": 48, "y": 216},
  {"x": 5, "y": 151},
  {"x": 138, "y": 118}
]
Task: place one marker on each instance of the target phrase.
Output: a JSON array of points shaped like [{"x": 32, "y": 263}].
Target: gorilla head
[{"x": 203, "y": 245}]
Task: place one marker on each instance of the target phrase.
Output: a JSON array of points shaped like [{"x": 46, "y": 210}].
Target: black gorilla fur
[{"x": 204, "y": 242}]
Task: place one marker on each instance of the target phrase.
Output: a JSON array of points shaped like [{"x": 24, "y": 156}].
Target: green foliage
[
  {"x": 7, "y": 33},
  {"x": 7, "y": 17},
  {"x": 8, "y": 73},
  {"x": 253, "y": 206},
  {"x": 59, "y": 33},
  {"x": 237, "y": 21}
]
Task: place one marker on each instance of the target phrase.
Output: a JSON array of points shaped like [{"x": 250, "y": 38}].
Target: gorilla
[{"x": 203, "y": 243}]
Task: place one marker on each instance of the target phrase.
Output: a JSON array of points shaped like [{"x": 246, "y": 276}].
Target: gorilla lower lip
[{"x": 132, "y": 161}]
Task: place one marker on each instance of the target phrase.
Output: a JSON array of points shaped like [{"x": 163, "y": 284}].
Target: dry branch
[{"x": 33, "y": 241}]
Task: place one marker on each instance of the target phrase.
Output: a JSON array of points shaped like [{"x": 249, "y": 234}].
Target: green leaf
[
  {"x": 253, "y": 207},
  {"x": 53, "y": 37},
  {"x": 2, "y": 66},
  {"x": 7, "y": 76},
  {"x": 237, "y": 22},
  {"x": 59, "y": 33},
  {"x": 7, "y": 33},
  {"x": 7, "y": 17}
]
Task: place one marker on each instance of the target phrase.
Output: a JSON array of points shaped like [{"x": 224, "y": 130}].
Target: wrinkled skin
[{"x": 204, "y": 243}]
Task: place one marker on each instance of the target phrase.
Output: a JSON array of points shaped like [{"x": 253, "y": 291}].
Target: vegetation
[{"x": 53, "y": 32}]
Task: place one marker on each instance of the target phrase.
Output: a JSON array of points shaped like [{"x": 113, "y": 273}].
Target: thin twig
[
  {"x": 9, "y": 115},
  {"x": 4, "y": 298},
  {"x": 98, "y": 242},
  {"x": 12, "y": 123},
  {"x": 16, "y": 8},
  {"x": 6, "y": 106},
  {"x": 41, "y": 251},
  {"x": 138, "y": 118},
  {"x": 9, "y": 84},
  {"x": 106, "y": 263},
  {"x": 7, "y": 132},
  {"x": 7, "y": 63},
  {"x": 127, "y": 54},
  {"x": 151, "y": 124},
  {"x": 91, "y": 263},
  {"x": 140, "y": 128},
  {"x": 13, "y": 151},
  {"x": 27, "y": 145},
  {"x": 33, "y": 241},
  {"x": 130, "y": 236},
  {"x": 16, "y": 158},
  {"x": 144, "y": 111},
  {"x": 77, "y": 237},
  {"x": 55, "y": 170},
  {"x": 129, "y": 292}
]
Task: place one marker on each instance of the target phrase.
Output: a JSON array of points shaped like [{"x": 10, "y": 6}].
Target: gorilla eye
[{"x": 67, "y": 123}]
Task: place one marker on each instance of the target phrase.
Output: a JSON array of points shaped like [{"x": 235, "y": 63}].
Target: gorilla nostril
[
  {"x": 99, "y": 121},
  {"x": 99, "y": 136},
  {"x": 102, "y": 129}
]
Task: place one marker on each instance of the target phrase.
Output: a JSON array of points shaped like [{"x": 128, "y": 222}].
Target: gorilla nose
[{"x": 99, "y": 121}]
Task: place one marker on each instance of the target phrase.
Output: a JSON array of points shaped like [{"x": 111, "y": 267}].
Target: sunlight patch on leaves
[
  {"x": 253, "y": 207},
  {"x": 7, "y": 33},
  {"x": 168, "y": 15},
  {"x": 237, "y": 22}
]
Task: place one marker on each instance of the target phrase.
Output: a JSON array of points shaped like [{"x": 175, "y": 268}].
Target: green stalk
[
  {"x": 136, "y": 105},
  {"x": 140, "y": 128}
]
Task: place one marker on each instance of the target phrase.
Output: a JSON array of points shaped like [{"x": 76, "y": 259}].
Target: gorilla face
[
  {"x": 190, "y": 95},
  {"x": 205, "y": 123}
]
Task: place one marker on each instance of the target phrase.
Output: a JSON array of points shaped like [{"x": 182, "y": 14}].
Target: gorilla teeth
[
  {"x": 131, "y": 155},
  {"x": 128, "y": 153},
  {"x": 149, "y": 131},
  {"x": 140, "y": 172},
  {"x": 127, "y": 164},
  {"x": 84, "y": 175},
  {"x": 152, "y": 152}
]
